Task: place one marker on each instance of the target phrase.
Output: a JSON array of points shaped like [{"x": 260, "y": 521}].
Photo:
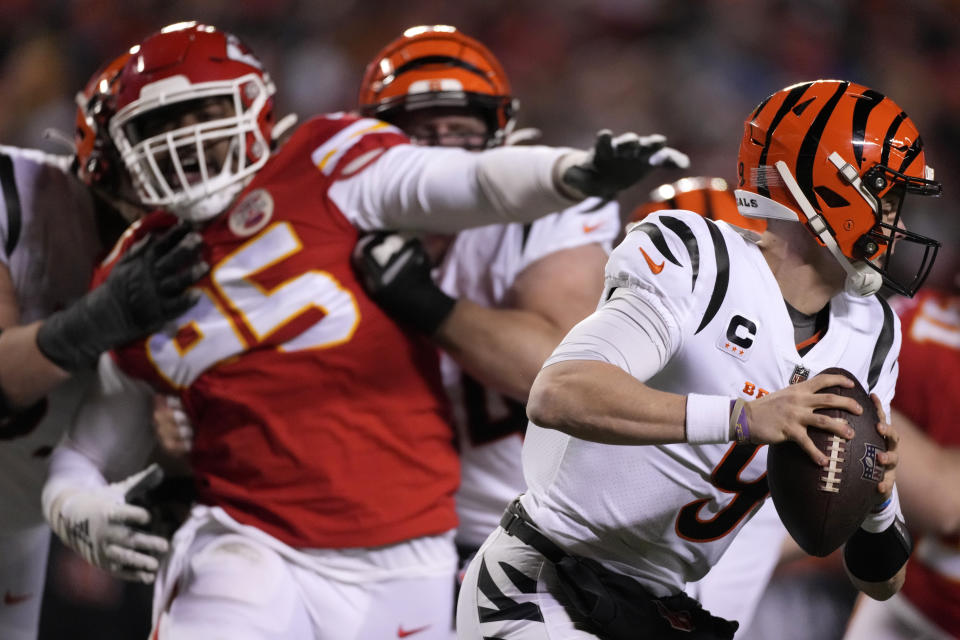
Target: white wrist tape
[
  {"x": 882, "y": 516},
  {"x": 708, "y": 419}
]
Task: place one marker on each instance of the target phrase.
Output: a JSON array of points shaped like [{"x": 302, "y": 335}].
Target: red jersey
[
  {"x": 928, "y": 392},
  {"x": 316, "y": 418}
]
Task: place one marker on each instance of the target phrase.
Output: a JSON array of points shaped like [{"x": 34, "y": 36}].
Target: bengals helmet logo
[{"x": 852, "y": 154}]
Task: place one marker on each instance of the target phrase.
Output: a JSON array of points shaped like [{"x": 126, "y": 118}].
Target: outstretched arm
[{"x": 443, "y": 190}]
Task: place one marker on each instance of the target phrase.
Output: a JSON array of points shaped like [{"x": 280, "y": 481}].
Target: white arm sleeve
[
  {"x": 442, "y": 190},
  {"x": 109, "y": 439},
  {"x": 626, "y": 331}
]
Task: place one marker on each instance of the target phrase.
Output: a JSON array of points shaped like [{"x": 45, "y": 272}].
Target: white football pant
[
  {"x": 23, "y": 565},
  {"x": 227, "y": 581}
]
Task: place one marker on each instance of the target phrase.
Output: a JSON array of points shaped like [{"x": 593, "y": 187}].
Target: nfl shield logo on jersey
[
  {"x": 252, "y": 213},
  {"x": 800, "y": 373},
  {"x": 739, "y": 337}
]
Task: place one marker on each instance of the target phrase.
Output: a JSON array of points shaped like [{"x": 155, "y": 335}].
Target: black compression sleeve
[{"x": 875, "y": 557}]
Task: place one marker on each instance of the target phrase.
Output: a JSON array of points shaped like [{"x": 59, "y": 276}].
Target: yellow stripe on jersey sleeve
[{"x": 326, "y": 156}]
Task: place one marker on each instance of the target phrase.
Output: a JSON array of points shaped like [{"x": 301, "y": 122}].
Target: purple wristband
[{"x": 738, "y": 421}]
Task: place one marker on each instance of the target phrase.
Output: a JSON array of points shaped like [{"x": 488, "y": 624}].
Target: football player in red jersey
[
  {"x": 324, "y": 463},
  {"x": 505, "y": 294},
  {"x": 56, "y": 220},
  {"x": 925, "y": 412}
]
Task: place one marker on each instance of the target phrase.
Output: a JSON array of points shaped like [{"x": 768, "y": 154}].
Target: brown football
[{"x": 822, "y": 507}]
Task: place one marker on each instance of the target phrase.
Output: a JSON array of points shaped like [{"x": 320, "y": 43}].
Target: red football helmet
[
  {"x": 710, "y": 197},
  {"x": 96, "y": 158},
  {"x": 194, "y": 119},
  {"x": 840, "y": 158},
  {"x": 437, "y": 66}
]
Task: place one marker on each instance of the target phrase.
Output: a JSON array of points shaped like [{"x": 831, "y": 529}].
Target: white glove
[
  {"x": 615, "y": 164},
  {"x": 97, "y": 523}
]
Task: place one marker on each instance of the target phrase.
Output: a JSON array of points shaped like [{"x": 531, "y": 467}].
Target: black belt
[{"x": 517, "y": 523}]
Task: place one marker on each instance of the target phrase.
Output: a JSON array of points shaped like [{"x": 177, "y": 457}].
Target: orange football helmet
[
  {"x": 840, "y": 158},
  {"x": 96, "y": 159},
  {"x": 710, "y": 197},
  {"x": 438, "y": 66}
]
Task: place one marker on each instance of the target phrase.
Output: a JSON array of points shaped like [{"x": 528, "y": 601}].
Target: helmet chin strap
[{"x": 861, "y": 279}]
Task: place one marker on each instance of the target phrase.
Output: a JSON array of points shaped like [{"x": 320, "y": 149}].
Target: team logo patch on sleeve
[
  {"x": 252, "y": 214},
  {"x": 868, "y": 462}
]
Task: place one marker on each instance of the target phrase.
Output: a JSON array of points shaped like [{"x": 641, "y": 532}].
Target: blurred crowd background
[{"x": 691, "y": 70}]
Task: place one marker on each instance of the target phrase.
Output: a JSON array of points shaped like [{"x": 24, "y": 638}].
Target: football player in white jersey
[
  {"x": 733, "y": 587},
  {"x": 54, "y": 227},
  {"x": 691, "y": 354},
  {"x": 294, "y": 385},
  {"x": 502, "y": 296}
]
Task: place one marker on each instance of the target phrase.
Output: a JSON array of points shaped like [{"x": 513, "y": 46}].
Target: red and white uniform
[
  {"x": 322, "y": 439},
  {"x": 482, "y": 265},
  {"x": 931, "y": 352},
  {"x": 306, "y": 434},
  {"x": 49, "y": 244},
  {"x": 928, "y": 605}
]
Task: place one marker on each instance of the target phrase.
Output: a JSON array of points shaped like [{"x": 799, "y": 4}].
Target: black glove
[
  {"x": 617, "y": 163},
  {"x": 395, "y": 271},
  {"x": 167, "y": 499},
  {"x": 146, "y": 288}
]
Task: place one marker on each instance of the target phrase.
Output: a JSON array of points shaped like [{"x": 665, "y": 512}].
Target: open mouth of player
[{"x": 192, "y": 172}]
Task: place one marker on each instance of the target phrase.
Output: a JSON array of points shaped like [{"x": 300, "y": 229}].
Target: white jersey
[
  {"x": 48, "y": 241},
  {"x": 481, "y": 265},
  {"x": 665, "y": 514}
]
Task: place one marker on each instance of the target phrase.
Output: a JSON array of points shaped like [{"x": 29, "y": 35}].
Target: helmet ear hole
[
  {"x": 875, "y": 181},
  {"x": 865, "y": 247}
]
